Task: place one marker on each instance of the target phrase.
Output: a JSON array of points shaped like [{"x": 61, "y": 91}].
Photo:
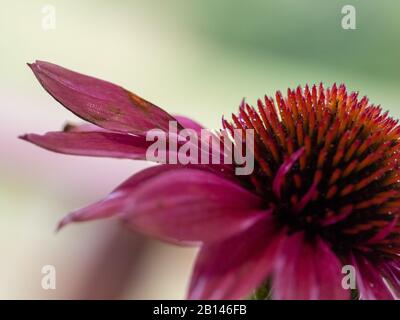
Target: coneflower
[
  {"x": 324, "y": 192},
  {"x": 327, "y": 165}
]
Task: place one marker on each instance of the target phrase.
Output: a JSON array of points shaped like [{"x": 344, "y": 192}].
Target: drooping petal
[
  {"x": 102, "y": 103},
  {"x": 176, "y": 204},
  {"x": 233, "y": 268},
  {"x": 307, "y": 271},
  {"x": 110, "y": 206},
  {"x": 370, "y": 282},
  {"x": 91, "y": 143},
  {"x": 115, "y": 202},
  {"x": 191, "y": 205}
]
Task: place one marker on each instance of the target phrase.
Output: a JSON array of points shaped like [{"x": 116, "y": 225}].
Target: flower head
[{"x": 324, "y": 191}]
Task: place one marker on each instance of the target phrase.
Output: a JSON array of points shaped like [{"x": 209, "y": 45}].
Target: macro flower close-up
[{"x": 323, "y": 192}]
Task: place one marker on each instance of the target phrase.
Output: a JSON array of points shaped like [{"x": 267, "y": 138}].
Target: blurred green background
[{"x": 197, "y": 58}]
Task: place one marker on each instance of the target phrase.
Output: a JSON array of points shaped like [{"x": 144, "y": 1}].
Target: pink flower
[{"x": 325, "y": 191}]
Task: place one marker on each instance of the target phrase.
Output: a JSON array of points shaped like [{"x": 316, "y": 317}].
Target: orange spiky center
[{"x": 344, "y": 180}]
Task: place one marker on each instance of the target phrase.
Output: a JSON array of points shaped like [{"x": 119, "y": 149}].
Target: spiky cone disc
[{"x": 327, "y": 163}]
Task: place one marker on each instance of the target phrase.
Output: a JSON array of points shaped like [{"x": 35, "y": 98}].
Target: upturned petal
[{"x": 100, "y": 102}]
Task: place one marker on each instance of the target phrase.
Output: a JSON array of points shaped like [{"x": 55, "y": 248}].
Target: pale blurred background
[{"x": 197, "y": 58}]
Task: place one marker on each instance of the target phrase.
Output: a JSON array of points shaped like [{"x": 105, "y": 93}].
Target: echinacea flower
[{"x": 324, "y": 192}]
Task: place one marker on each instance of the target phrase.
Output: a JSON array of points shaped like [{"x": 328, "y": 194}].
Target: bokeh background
[{"x": 197, "y": 58}]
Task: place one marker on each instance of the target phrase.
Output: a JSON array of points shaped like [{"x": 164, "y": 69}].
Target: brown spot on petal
[{"x": 139, "y": 102}]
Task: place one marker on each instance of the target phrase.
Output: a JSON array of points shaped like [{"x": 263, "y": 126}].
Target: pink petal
[
  {"x": 114, "y": 203},
  {"x": 191, "y": 205},
  {"x": 185, "y": 122},
  {"x": 370, "y": 282},
  {"x": 97, "y": 144},
  {"x": 90, "y": 140},
  {"x": 174, "y": 193},
  {"x": 83, "y": 127},
  {"x": 102, "y": 103},
  {"x": 343, "y": 214},
  {"x": 234, "y": 267},
  {"x": 307, "y": 197},
  {"x": 384, "y": 232},
  {"x": 111, "y": 206},
  {"x": 391, "y": 271},
  {"x": 188, "y": 123},
  {"x": 307, "y": 271},
  {"x": 283, "y": 170},
  {"x": 87, "y": 140},
  {"x": 142, "y": 176}
]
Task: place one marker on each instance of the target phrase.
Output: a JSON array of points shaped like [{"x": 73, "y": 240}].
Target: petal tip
[
  {"x": 32, "y": 65},
  {"x": 64, "y": 221},
  {"x": 25, "y": 137},
  {"x": 30, "y": 137}
]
